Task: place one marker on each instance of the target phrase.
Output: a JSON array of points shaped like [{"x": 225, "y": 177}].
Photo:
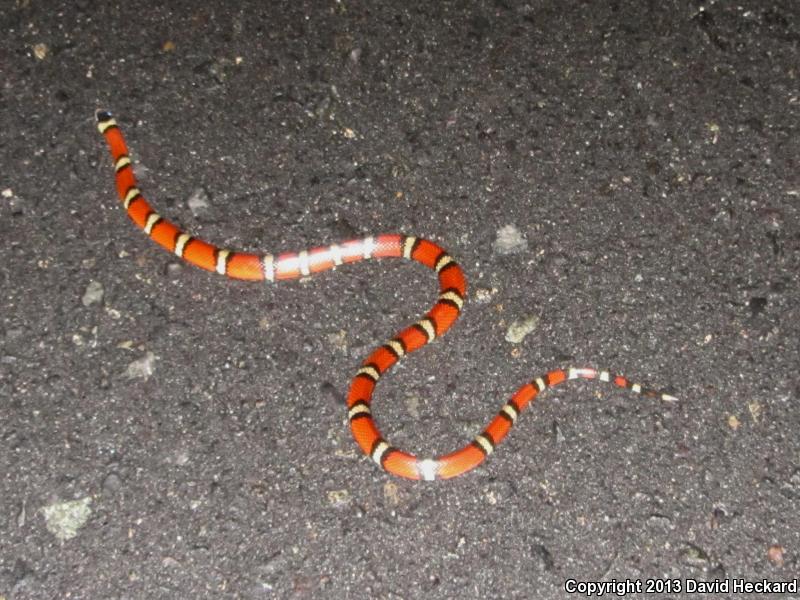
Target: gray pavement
[{"x": 167, "y": 433}]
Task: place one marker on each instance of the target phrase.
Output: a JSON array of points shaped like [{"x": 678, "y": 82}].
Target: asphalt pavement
[{"x": 619, "y": 181}]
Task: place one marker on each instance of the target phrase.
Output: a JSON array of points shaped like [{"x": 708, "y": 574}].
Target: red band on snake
[{"x": 293, "y": 265}]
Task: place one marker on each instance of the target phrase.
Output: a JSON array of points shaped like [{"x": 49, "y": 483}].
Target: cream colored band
[
  {"x": 129, "y": 197},
  {"x": 222, "y": 261},
  {"x": 408, "y": 245},
  {"x": 105, "y": 125},
  {"x": 454, "y": 298},
  {"x": 397, "y": 347},
  {"x": 303, "y": 263},
  {"x": 379, "y": 451},
  {"x": 152, "y": 219},
  {"x": 122, "y": 162},
  {"x": 510, "y": 412},
  {"x": 428, "y": 469},
  {"x": 369, "y": 246},
  {"x": 443, "y": 262},
  {"x": 358, "y": 409},
  {"x": 180, "y": 243},
  {"x": 370, "y": 372},
  {"x": 484, "y": 443},
  {"x": 428, "y": 327},
  {"x": 336, "y": 254},
  {"x": 268, "y": 263}
]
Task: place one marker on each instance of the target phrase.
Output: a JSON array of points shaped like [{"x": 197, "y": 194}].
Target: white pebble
[{"x": 509, "y": 241}]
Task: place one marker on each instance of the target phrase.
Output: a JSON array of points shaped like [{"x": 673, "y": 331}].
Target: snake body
[{"x": 293, "y": 265}]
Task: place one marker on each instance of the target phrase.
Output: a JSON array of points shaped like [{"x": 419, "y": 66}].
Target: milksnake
[{"x": 293, "y": 265}]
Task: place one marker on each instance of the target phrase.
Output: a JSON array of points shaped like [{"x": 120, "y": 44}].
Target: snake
[{"x": 272, "y": 268}]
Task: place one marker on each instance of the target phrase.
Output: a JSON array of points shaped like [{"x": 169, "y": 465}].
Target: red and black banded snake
[{"x": 293, "y": 265}]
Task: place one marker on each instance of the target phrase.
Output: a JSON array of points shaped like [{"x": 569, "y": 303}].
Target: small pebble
[
  {"x": 520, "y": 328},
  {"x": 509, "y": 241},
  {"x": 112, "y": 483},
  {"x": 40, "y": 51},
  {"x": 65, "y": 518},
  {"x": 391, "y": 493},
  {"x": 484, "y": 295},
  {"x": 339, "y": 497},
  {"x": 174, "y": 269},
  {"x": 775, "y": 555},
  {"x": 658, "y": 521},
  {"x": 694, "y": 556},
  {"x": 142, "y": 368},
  {"x": 412, "y": 404},
  {"x": 93, "y": 294},
  {"x": 198, "y": 202},
  {"x": 338, "y": 340}
]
